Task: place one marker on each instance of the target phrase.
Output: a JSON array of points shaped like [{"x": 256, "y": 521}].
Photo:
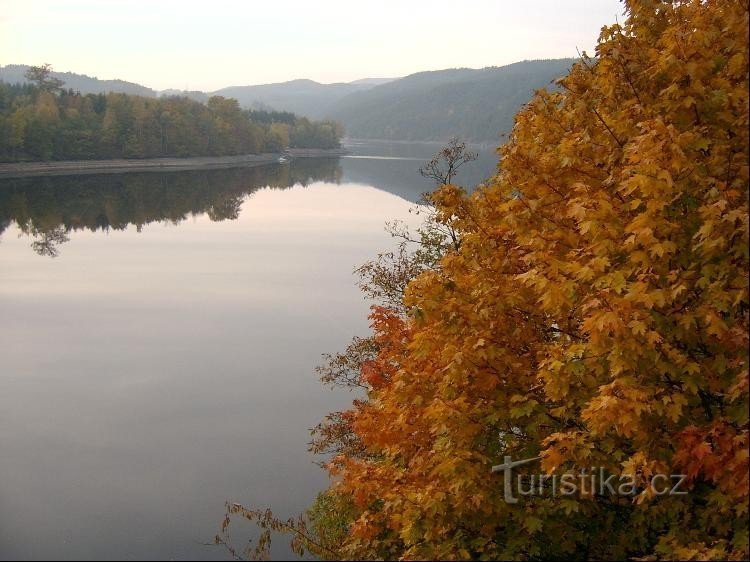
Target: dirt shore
[{"x": 79, "y": 167}]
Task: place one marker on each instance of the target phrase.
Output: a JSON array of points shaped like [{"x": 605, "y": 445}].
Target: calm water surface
[{"x": 159, "y": 339}]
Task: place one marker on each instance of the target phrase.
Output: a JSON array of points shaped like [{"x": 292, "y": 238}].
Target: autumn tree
[
  {"x": 42, "y": 77},
  {"x": 278, "y": 136},
  {"x": 444, "y": 165},
  {"x": 42, "y": 122},
  {"x": 595, "y": 315}
]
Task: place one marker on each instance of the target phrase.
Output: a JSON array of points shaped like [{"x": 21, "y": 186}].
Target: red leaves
[
  {"x": 594, "y": 314},
  {"x": 717, "y": 453}
]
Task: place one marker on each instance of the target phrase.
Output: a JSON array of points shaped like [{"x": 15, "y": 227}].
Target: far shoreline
[{"x": 118, "y": 166}]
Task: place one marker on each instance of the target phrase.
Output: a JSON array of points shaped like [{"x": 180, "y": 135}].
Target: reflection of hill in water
[
  {"x": 394, "y": 167},
  {"x": 49, "y": 208}
]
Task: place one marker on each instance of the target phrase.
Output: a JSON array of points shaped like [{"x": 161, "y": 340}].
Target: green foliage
[
  {"x": 476, "y": 104},
  {"x": 17, "y": 74},
  {"x": 329, "y": 519},
  {"x": 42, "y": 77},
  {"x": 310, "y": 134},
  {"x": 303, "y": 97},
  {"x": 45, "y": 122}
]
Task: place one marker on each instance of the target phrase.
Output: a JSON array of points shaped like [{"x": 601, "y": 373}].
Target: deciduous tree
[{"x": 595, "y": 315}]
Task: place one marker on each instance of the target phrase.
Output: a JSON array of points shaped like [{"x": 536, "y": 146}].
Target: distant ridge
[
  {"x": 476, "y": 104},
  {"x": 301, "y": 96},
  {"x": 372, "y": 81},
  {"x": 15, "y": 74},
  {"x": 194, "y": 95}
]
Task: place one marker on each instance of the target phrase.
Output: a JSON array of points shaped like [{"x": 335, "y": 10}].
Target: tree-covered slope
[
  {"x": 16, "y": 74},
  {"x": 303, "y": 97},
  {"x": 46, "y": 121},
  {"x": 477, "y": 104}
]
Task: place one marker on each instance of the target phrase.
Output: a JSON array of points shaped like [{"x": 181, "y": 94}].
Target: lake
[{"x": 159, "y": 338}]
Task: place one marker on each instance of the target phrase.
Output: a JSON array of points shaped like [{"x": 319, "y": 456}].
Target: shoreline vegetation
[
  {"x": 123, "y": 165},
  {"x": 43, "y": 122}
]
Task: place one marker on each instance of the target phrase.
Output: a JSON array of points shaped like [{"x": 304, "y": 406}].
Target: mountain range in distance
[
  {"x": 476, "y": 104},
  {"x": 16, "y": 74}
]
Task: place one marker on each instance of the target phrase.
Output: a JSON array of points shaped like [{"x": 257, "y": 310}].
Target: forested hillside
[
  {"x": 47, "y": 122},
  {"x": 16, "y": 74},
  {"x": 477, "y": 105},
  {"x": 305, "y": 97}
]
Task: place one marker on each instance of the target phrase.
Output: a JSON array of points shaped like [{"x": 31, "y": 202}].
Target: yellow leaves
[
  {"x": 588, "y": 320},
  {"x": 674, "y": 406},
  {"x": 565, "y": 447},
  {"x": 603, "y": 321},
  {"x": 616, "y": 281},
  {"x": 523, "y": 406},
  {"x": 599, "y": 264},
  {"x": 677, "y": 291},
  {"x": 715, "y": 325},
  {"x": 46, "y": 107},
  {"x": 552, "y": 459},
  {"x": 641, "y": 231},
  {"x": 737, "y": 65},
  {"x": 666, "y": 177},
  {"x": 642, "y": 294},
  {"x": 661, "y": 249},
  {"x": 577, "y": 209},
  {"x": 619, "y": 407},
  {"x": 532, "y": 524},
  {"x": 638, "y": 327}
]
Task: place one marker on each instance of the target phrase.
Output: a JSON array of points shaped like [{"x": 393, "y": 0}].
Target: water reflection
[
  {"x": 394, "y": 166},
  {"x": 147, "y": 377},
  {"x": 48, "y": 209}
]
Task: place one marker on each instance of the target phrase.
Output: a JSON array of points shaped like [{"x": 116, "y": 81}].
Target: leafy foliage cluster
[
  {"x": 44, "y": 121},
  {"x": 594, "y": 314}
]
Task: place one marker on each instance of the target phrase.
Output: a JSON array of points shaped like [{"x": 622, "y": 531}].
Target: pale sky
[{"x": 207, "y": 45}]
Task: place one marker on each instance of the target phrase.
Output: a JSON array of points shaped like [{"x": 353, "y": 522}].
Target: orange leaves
[
  {"x": 595, "y": 314},
  {"x": 619, "y": 407},
  {"x": 718, "y": 453}
]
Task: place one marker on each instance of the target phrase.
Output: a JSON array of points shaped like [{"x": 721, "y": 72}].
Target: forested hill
[
  {"x": 16, "y": 74},
  {"x": 305, "y": 97},
  {"x": 477, "y": 105},
  {"x": 48, "y": 122}
]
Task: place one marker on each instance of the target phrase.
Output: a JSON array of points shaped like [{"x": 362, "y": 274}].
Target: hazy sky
[{"x": 211, "y": 44}]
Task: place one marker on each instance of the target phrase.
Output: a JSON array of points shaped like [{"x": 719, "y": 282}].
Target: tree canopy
[
  {"x": 47, "y": 122},
  {"x": 42, "y": 77},
  {"x": 594, "y": 315}
]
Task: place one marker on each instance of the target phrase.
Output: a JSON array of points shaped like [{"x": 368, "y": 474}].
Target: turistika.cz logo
[{"x": 595, "y": 481}]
